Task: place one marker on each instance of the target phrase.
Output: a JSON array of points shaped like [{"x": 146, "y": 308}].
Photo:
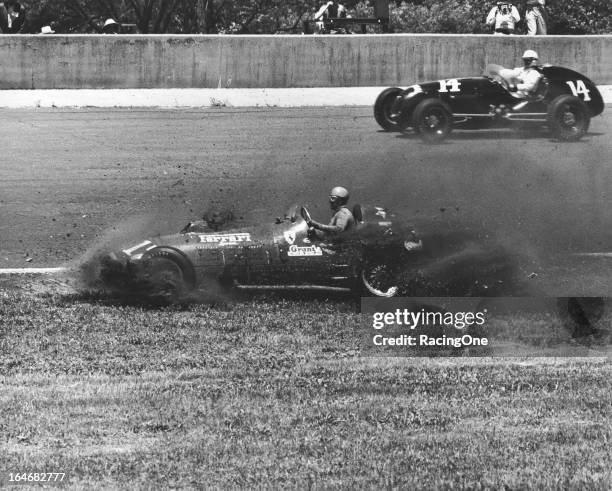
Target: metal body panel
[
  {"x": 284, "y": 253},
  {"x": 483, "y": 96}
]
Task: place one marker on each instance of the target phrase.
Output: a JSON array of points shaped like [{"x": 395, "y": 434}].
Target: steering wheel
[
  {"x": 492, "y": 72},
  {"x": 502, "y": 81},
  {"x": 305, "y": 214}
]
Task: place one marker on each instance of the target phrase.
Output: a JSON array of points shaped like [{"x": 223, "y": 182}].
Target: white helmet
[
  {"x": 530, "y": 58},
  {"x": 340, "y": 194}
]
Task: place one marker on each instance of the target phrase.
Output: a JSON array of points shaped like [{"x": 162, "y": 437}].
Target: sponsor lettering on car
[
  {"x": 312, "y": 250},
  {"x": 225, "y": 239}
]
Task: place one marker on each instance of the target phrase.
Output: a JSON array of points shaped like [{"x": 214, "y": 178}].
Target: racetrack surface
[{"x": 74, "y": 180}]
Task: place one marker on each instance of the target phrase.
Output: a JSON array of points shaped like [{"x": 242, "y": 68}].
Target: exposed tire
[
  {"x": 382, "y": 108},
  {"x": 379, "y": 280},
  {"x": 164, "y": 281},
  {"x": 432, "y": 120},
  {"x": 568, "y": 118}
]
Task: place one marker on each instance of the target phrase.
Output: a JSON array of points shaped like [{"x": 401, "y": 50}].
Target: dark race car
[
  {"x": 284, "y": 255},
  {"x": 564, "y": 100}
]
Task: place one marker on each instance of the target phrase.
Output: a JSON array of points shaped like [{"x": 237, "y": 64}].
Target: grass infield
[{"x": 273, "y": 392}]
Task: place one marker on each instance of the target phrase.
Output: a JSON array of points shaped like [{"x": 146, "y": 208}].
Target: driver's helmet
[
  {"x": 530, "y": 58},
  {"x": 339, "y": 195}
]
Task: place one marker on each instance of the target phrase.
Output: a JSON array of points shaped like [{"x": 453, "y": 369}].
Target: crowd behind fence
[{"x": 533, "y": 17}]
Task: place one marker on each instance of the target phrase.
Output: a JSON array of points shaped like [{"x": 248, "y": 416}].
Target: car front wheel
[
  {"x": 432, "y": 120},
  {"x": 568, "y": 118},
  {"x": 379, "y": 280},
  {"x": 382, "y": 108}
]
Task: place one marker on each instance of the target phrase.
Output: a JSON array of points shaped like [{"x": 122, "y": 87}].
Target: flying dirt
[{"x": 384, "y": 256}]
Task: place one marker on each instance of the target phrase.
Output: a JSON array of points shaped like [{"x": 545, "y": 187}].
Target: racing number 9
[
  {"x": 453, "y": 83},
  {"x": 578, "y": 88}
]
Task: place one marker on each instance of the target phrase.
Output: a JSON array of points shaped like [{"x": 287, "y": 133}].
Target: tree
[
  {"x": 580, "y": 17},
  {"x": 263, "y": 16},
  {"x": 275, "y": 16},
  {"x": 437, "y": 16},
  {"x": 70, "y": 16}
]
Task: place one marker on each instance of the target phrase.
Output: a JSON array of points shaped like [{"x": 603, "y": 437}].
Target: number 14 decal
[
  {"x": 579, "y": 88},
  {"x": 453, "y": 83}
]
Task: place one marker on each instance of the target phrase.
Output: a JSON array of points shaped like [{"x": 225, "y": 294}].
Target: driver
[
  {"x": 341, "y": 221},
  {"x": 523, "y": 80}
]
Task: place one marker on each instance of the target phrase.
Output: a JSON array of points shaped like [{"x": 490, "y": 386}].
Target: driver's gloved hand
[{"x": 512, "y": 88}]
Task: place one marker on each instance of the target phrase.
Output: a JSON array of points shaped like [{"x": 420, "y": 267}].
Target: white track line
[
  {"x": 174, "y": 98},
  {"x": 32, "y": 270}
]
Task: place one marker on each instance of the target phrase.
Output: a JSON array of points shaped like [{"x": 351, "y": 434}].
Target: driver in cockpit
[
  {"x": 342, "y": 219},
  {"x": 523, "y": 80}
]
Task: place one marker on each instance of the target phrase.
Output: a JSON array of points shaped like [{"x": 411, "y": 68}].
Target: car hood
[
  {"x": 202, "y": 240},
  {"x": 433, "y": 87}
]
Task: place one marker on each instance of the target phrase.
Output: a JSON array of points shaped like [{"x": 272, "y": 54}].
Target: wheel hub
[
  {"x": 376, "y": 282},
  {"x": 569, "y": 118},
  {"x": 432, "y": 121}
]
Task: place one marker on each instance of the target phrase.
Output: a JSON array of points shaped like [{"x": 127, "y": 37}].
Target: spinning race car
[
  {"x": 564, "y": 100},
  {"x": 284, "y": 255}
]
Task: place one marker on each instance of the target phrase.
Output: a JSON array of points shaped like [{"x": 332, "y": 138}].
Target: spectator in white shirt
[{"x": 503, "y": 18}]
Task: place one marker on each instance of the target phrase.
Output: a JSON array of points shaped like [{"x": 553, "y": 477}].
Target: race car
[
  {"x": 564, "y": 100},
  {"x": 284, "y": 255}
]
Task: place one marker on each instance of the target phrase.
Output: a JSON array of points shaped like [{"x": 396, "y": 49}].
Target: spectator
[
  {"x": 16, "y": 16},
  {"x": 47, "y": 30},
  {"x": 535, "y": 17},
  {"x": 4, "y": 25},
  {"x": 329, "y": 10},
  {"x": 503, "y": 17},
  {"x": 111, "y": 27}
]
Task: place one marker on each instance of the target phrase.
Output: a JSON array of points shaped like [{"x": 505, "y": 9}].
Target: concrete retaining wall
[{"x": 163, "y": 61}]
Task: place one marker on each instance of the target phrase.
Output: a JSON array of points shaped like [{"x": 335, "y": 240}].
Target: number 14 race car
[
  {"x": 284, "y": 255},
  {"x": 564, "y": 100}
]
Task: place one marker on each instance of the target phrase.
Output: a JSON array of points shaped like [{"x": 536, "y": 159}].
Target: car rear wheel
[
  {"x": 432, "y": 120},
  {"x": 568, "y": 118},
  {"x": 379, "y": 280},
  {"x": 164, "y": 281},
  {"x": 382, "y": 108}
]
